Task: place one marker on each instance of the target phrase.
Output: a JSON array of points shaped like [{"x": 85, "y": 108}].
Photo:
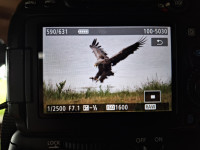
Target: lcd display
[{"x": 106, "y": 69}]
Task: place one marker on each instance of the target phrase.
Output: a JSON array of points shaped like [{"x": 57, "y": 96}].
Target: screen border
[{"x": 111, "y": 114}]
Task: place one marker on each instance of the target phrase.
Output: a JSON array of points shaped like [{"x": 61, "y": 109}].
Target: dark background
[{"x": 7, "y": 8}]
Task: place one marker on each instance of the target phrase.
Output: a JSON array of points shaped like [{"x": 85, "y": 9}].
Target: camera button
[
  {"x": 30, "y": 3},
  {"x": 191, "y": 32},
  {"x": 142, "y": 147},
  {"x": 49, "y": 3},
  {"x": 197, "y": 53},
  {"x": 190, "y": 119}
]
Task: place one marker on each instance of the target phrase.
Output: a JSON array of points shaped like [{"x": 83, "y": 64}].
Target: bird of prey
[{"x": 104, "y": 63}]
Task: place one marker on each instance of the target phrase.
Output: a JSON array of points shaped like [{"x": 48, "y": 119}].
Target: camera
[{"x": 104, "y": 75}]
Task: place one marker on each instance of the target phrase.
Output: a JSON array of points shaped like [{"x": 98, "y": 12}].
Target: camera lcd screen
[{"x": 106, "y": 69}]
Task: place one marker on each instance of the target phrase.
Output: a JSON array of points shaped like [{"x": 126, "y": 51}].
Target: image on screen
[{"x": 106, "y": 69}]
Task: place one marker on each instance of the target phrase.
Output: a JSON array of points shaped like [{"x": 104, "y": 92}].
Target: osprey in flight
[{"x": 105, "y": 63}]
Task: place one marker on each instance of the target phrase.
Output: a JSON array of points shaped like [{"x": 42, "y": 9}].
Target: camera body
[{"x": 103, "y": 130}]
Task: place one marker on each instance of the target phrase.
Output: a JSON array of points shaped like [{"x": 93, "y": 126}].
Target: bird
[{"x": 105, "y": 64}]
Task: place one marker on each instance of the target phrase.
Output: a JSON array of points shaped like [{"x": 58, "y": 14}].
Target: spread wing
[
  {"x": 97, "y": 50},
  {"x": 127, "y": 51}
]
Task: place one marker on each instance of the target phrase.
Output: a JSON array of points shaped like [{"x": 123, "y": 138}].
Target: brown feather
[
  {"x": 98, "y": 51},
  {"x": 127, "y": 51}
]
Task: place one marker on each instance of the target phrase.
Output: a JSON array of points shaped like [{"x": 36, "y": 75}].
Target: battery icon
[
  {"x": 83, "y": 31},
  {"x": 110, "y": 107}
]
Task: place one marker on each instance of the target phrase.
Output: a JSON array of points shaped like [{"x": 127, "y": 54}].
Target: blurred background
[{"x": 7, "y": 9}]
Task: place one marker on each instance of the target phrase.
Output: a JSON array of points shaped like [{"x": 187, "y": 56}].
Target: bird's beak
[{"x": 95, "y": 65}]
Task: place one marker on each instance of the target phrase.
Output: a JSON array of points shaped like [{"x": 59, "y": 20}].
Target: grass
[
  {"x": 3, "y": 92},
  {"x": 58, "y": 95},
  {"x": 155, "y": 84}
]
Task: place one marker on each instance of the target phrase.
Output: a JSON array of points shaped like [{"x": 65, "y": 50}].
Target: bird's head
[
  {"x": 98, "y": 62},
  {"x": 95, "y": 65}
]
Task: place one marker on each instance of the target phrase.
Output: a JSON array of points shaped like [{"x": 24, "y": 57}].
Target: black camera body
[{"x": 139, "y": 130}]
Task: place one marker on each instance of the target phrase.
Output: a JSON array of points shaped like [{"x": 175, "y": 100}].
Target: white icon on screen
[
  {"x": 150, "y": 106},
  {"x": 153, "y": 96},
  {"x": 86, "y": 107},
  {"x": 110, "y": 107},
  {"x": 83, "y": 31}
]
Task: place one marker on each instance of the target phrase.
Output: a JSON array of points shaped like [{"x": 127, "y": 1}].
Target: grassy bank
[{"x": 59, "y": 96}]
